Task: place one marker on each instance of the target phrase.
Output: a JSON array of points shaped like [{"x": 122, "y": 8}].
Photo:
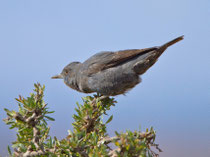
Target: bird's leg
[{"x": 98, "y": 94}]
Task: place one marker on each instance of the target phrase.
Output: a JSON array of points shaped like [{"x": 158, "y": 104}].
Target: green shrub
[{"x": 88, "y": 138}]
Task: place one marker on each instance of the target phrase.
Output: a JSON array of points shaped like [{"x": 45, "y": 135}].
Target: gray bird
[{"x": 112, "y": 73}]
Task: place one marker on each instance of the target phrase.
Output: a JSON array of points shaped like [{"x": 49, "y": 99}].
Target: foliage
[{"x": 88, "y": 138}]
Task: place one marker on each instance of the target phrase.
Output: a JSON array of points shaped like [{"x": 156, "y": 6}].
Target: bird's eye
[{"x": 65, "y": 71}]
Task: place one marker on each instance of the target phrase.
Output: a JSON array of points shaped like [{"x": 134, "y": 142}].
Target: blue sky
[{"x": 38, "y": 38}]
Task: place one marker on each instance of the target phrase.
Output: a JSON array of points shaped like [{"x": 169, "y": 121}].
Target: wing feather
[{"x": 105, "y": 60}]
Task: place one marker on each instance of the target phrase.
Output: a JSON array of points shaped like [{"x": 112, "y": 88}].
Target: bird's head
[{"x": 67, "y": 71}]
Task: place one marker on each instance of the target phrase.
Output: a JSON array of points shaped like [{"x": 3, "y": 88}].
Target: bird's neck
[{"x": 72, "y": 81}]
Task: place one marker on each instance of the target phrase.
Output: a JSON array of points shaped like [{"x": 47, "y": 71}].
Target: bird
[{"x": 112, "y": 73}]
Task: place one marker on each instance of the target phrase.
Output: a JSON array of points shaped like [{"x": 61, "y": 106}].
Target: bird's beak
[{"x": 57, "y": 77}]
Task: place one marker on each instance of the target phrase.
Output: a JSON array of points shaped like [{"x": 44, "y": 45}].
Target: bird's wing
[{"x": 105, "y": 60}]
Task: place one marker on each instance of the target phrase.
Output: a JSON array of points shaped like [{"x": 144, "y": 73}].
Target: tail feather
[
  {"x": 146, "y": 60},
  {"x": 166, "y": 45}
]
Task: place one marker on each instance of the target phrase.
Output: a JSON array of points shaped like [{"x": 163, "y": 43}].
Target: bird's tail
[
  {"x": 148, "y": 59},
  {"x": 166, "y": 45}
]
